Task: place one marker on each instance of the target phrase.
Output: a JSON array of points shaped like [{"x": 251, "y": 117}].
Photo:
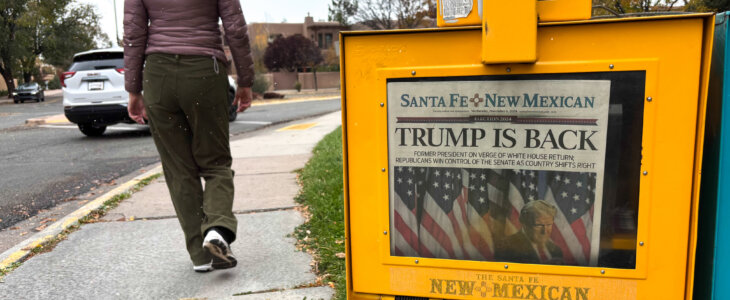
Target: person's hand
[
  {"x": 136, "y": 108},
  {"x": 243, "y": 98}
]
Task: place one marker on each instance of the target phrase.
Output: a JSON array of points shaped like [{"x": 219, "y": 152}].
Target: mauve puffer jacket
[{"x": 186, "y": 27}]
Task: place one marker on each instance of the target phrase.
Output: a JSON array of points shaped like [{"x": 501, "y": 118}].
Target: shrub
[
  {"x": 298, "y": 86},
  {"x": 55, "y": 83},
  {"x": 260, "y": 84},
  {"x": 3, "y": 93}
]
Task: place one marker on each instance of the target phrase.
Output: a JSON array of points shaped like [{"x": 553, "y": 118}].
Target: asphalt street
[
  {"x": 42, "y": 166},
  {"x": 12, "y": 115}
]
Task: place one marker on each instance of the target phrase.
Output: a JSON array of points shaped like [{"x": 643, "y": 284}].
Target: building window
[
  {"x": 320, "y": 41},
  {"x": 327, "y": 40}
]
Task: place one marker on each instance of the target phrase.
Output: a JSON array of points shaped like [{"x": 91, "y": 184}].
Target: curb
[
  {"x": 22, "y": 250},
  {"x": 52, "y": 119},
  {"x": 282, "y": 101},
  {"x": 35, "y": 121}
]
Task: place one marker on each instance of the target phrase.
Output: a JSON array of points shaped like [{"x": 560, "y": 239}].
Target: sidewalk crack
[
  {"x": 266, "y": 173},
  {"x": 253, "y": 211},
  {"x": 298, "y": 287}
]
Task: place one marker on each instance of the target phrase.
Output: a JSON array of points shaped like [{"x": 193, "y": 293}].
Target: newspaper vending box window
[{"x": 540, "y": 169}]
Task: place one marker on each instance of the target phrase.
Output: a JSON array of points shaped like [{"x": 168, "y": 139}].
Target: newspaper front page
[{"x": 468, "y": 156}]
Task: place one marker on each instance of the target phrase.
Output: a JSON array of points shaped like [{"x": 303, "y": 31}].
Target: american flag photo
[{"x": 464, "y": 214}]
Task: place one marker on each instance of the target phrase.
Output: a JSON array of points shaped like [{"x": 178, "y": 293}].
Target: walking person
[{"x": 173, "y": 52}]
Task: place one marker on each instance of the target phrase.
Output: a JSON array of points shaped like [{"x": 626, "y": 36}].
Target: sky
[{"x": 255, "y": 11}]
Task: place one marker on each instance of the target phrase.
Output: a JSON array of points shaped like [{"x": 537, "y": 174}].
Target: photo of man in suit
[{"x": 532, "y": 243}]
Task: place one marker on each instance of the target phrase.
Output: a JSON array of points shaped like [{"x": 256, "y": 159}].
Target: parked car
[
  {"x": 93, "y": 91},
  {"x": 28, "y": 91}
]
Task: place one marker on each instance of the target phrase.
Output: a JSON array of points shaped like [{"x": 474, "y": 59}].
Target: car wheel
[
  {"x": 15, "y": 101},
  {"x": 92, "y": 130},
  {"x": 232, "y": 113}
]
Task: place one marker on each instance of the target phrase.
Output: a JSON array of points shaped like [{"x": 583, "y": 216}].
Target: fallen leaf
[
  {"x": 131, "y": 218},
  {"x": 14, "y": 228},
  {"x": 340, "y": 255},
  {"x": 339, "y": 242},
  {"x": 331, "y": 284},
  {"x": 23, "y": 233},
  {"x": 1, "y": 220},
  {"x": 92, "y": 188},
  {"x": 40, "y": 228},
  {"x": 46, "y": 220}
]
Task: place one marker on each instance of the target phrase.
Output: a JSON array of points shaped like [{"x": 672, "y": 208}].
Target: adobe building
[{"x": 324, "y": 34}]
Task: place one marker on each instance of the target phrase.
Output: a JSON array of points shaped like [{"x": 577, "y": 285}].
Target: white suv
[{"x": 93, "y": 91}]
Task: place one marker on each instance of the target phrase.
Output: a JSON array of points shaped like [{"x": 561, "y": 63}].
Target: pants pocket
[
  {"x": 207, "y": 91},
  {"x": 152, "y": 85}
]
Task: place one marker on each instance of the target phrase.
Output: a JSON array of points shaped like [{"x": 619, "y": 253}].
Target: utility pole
[{"x": 116, "y": 25}]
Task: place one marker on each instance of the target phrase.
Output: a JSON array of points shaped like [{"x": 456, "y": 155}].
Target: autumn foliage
[{"x": 292, "y": 53}]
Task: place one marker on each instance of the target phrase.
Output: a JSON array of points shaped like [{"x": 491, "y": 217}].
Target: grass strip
[
  {"x": 93, "y": 217},
  {"x": 321, "y": 196}
]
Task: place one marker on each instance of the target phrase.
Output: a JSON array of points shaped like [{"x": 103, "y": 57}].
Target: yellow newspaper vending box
[{"x": 524, "y": 159}]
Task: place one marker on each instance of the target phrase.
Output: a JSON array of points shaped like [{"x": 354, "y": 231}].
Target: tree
[
  {"x": 76, "y": 29},
  {"x": 409, "y": 13},
  {"x": 717, "y": 5},
  {"x": 390, "y": 14},
  {"x": 307, "y": 54},
  {"x": 430, "y": 8},
  {"x": 10, "y": 12},
  {"x": 342, "y": 10},
  {"x": 646, "y": 6},
  {"x": 293, "y": 53},
  {"x": 377, "y": 14},
  {"x": 259, "y": 34},
  {"x": 52, "y": 29},
  {"x": 277, "y": 55}
]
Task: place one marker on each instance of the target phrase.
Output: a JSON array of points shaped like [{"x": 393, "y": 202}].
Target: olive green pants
[{"x": 186, "y": 99}]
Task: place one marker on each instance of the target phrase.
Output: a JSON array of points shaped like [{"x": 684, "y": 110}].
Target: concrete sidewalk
[{"x": 138, "y": 251}]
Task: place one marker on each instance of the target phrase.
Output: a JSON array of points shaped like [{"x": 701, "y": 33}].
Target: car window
[
  {"x": 98, "y": 61},
  {"x": 28, "y": 86}
]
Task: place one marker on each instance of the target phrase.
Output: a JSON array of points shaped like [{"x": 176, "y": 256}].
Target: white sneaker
[
  {"x": 203, "y": 268},
  {"x": 218, "y": 248}
]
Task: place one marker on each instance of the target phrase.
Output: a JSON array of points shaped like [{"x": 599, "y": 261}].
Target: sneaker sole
[
  {"x": 203, "y": 271},
  {"x": 220, "y": 259}
]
